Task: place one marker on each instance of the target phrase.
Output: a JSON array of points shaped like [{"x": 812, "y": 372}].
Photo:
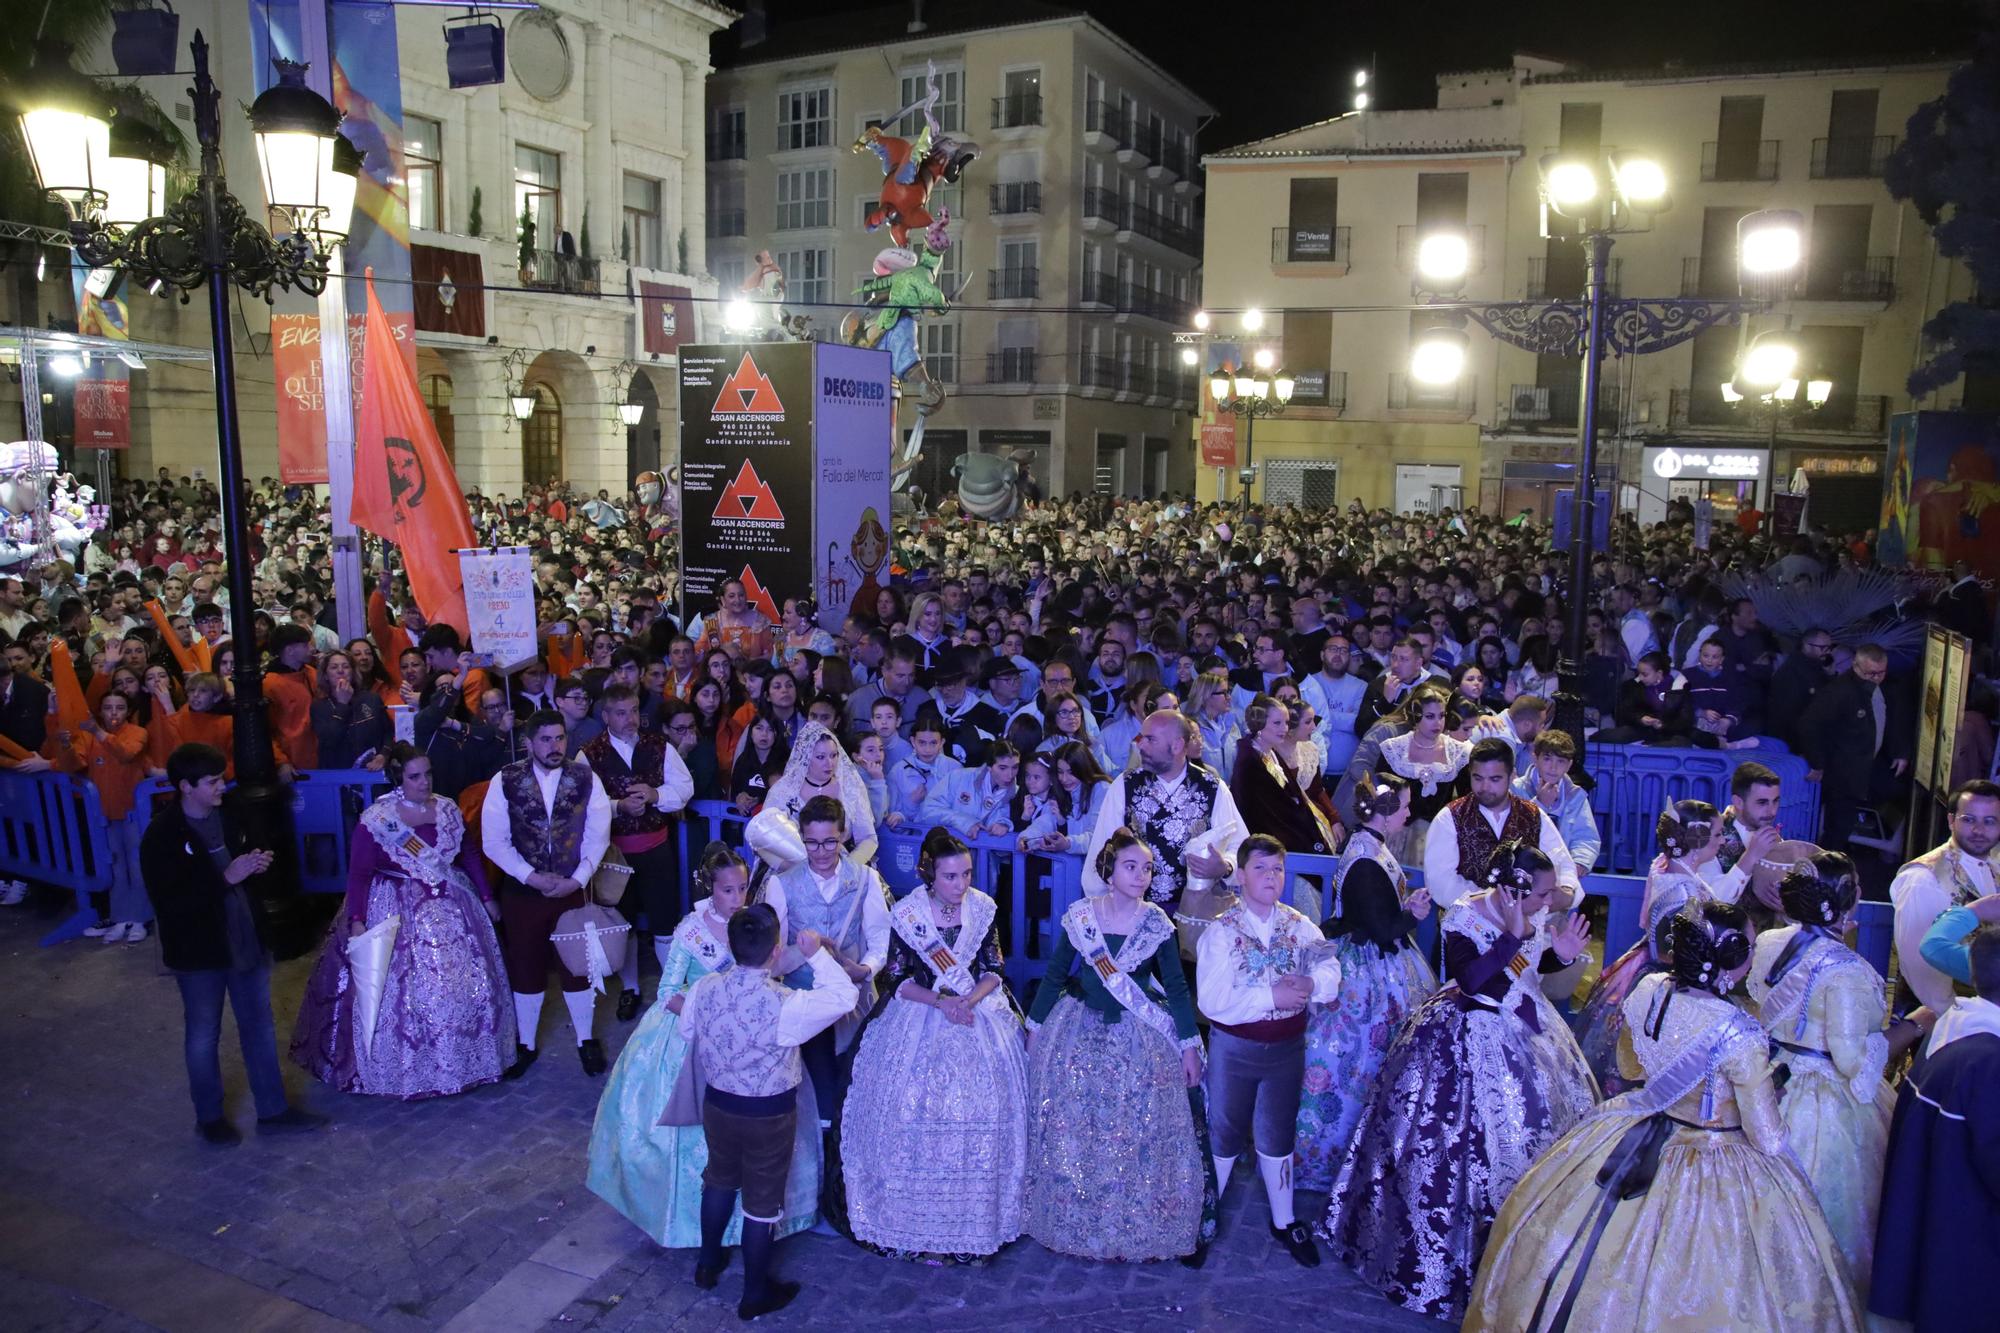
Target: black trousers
[{"x": 658, "y": 888}]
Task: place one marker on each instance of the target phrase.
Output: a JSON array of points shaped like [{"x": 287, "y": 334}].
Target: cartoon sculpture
[
  {"x": 912, "y": 168},
  {"x": 37, "y": 526},
  {"x": 869, "y": 547},
  {"x": 766, "y": 288},
  {"x": 993, "y": 486}
]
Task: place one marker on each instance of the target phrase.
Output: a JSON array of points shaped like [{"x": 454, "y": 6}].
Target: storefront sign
[
  {"x": 1839, "y": 465},
  {"x": 1716, "y": 465}
]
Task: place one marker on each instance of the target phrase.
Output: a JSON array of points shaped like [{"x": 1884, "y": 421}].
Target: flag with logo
[{"x": 404, "y": 488}]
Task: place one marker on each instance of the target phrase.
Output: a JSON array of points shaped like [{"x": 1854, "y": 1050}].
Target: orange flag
[
  {"x": 71, "y": 710},
  {"x": 404, "y": 488},
  {"x": 187, "y": 659}
]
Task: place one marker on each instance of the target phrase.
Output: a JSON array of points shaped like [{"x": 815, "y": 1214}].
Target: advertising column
[{"x": 853, "y": 421}]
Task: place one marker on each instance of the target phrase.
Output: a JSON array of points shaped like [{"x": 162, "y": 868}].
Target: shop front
[{"x": 1728, "y": 475}]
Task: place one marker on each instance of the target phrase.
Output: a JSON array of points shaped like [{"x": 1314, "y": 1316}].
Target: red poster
[
  {"x": 301, "y": 388},
  {"x": 103, "y": 409},
  {"x": 667, "y": 314},
  {"x": 1218, "y": 433}
]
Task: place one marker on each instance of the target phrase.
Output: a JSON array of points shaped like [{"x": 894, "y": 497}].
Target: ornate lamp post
[
  {"x": 1257, "y": 390},
  {"x": 112, "y": 180},
  {"x": 1767, "y": 382}
]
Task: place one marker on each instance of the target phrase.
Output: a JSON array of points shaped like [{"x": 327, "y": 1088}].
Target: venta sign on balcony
[{"x": 1735, "y": 465}]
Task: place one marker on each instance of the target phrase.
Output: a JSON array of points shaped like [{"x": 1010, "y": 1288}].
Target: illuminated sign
[{"x": 1668, "y": 463}]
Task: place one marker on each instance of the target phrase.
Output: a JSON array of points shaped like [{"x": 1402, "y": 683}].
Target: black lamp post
[
  {"x": 1252, "y": 391},
  {"x": 113, "y": 189}
]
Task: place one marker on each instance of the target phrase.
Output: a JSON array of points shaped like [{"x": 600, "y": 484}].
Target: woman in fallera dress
[
  {"x": 1823, "y": 1006},
  {"x": 445, "y": 1022},
  {"x": 934, "y": 1135},
  {"x": 1678, "y": 1204},
  {"x": 1482, "y": 1078},
  {"x": 1115, "y": 1167},
  {"x": 1432, "y": 762},
  {"x": 651, "y": 1172},
  {"x": 1690, "y": 834},
  {"x": 1383, "y": 977}
]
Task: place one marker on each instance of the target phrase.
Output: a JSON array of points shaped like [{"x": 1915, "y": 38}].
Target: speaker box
[{"x": 475, "y": 54}]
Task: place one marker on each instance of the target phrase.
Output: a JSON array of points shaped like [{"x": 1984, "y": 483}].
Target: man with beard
[
  {"x": 1750, "y": 832},
  {"x": 1796, "y": 683},
  {"x": 1170, "y": 801},
  {"x": 1953, "y": 875},
  {"x": 1466, "y": 833},
  {"x": 1386, "y": 691},
  {"x": 1855, "y": 754},
  {"x": 1335, "y": 695}
]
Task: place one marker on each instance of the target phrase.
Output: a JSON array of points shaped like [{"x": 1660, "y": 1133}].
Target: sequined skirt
[
  {"x": 446, "y": 1022},
  {"x": 1465, "y": 1100},
  {"x": 1114, "y": 1168},
  {"x": 1842, "y": 1142},
  {"x": 1727, "y": 1237},
  {"x": 1346, "y": 1042},
  {"x": 934, "y": 1133}
]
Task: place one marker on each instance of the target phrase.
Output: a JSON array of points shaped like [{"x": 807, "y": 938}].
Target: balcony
[
  {"x": 1715, "y": 276},
  {"x": 1015, "y": 197},
  {"x": 1542, "y": 408},
  {"x": 1100, "y": 289},
  {"x": 728, "y": 222},
  {"x": 1844, "y": 414},
  {"x": 553, "y": 272},
  {"x": 1874, "y": 282},
  {"x": 1100, "y": 372},
  {"x": 1565, "y": 281},
  {"x": 1171, "y": 160},
  {"x": 1102, "y": 209},
  {"x": 1096, "y": 371},
  {"x": 1748, "y": 161},
  {"x": 1013, "y": 284},
  {"x": 1148, "y": 303},
  {"x": 1105, "y": 126},
  {"x": 1309, "y": 244},
  {"x": 1157, "y": 227},
  {"x": 1017, "y": 111},
  {"x": 1320, "y": 388},
  {"x": 1854, "y": 157},
  {"x": 725, "y": 147},
  {"x": 1449, "y": 401},
  {"x": 1406, "y": 247},
  {"x": 1011, "y": 365}
]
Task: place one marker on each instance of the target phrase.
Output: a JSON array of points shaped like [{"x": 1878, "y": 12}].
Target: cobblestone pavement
[{"x": 467, "y": 1214}]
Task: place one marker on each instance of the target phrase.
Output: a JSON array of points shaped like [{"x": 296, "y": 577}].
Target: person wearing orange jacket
[
  {"x": 290, "y": 685},
  {"x": 109, "y": 751},
  {"x": 206, "y": 719}
]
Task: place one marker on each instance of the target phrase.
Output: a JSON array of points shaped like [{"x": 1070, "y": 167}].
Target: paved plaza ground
[{"x": 468, "y": 1213}]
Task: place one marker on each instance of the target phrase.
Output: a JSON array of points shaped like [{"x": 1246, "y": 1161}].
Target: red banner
[
  {"x": 302, "y": 389},
  {"x": 667, "y": 317},
  {"x": 103, "y": 409},
  {"x": 1218, "y": 433}
]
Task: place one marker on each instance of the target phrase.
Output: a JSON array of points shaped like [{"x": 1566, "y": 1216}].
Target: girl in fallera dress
[
  {"x": 445, "y": 1021},
  {"x": 1116, "y": 1164},
  {"x": 1678, "y": 1204},
  {"x": 1482, "y": 1078},
  {"x": 1690, "y": 834},
  {"x": 934, "y": 1134},
  {"x": 1383, "y": 977},
  {"x": 1823, "y": 1007},
  {"x": 1430, "y": 760},
  {"x": 652, "y": 1172}
]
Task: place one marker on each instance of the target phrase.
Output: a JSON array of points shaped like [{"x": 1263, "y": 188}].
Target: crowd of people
[{"x": 1181, "y": 697}]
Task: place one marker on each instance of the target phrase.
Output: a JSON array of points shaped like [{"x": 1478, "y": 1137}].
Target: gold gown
[
  {"x": 1835, "y": 1107},
  {"x": 1727, "y": 1237}
]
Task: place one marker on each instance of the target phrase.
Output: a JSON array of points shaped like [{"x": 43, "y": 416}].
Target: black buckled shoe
[
  {"x": 1299, "y": 1243},
  {"x": 523, "y": 1057},
  {"x": 591, "y": 1052},
  {"x": 628, "y": 1006}
]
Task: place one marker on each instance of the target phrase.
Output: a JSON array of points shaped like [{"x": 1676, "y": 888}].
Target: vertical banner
[
  {"x": 101, "y": 408},
  {"x": 853, "y": 424},
  {"x": 1218, "y": 428},
  {"x": 500, "y": 604},
  {"x": 746, "y": 472},
  {"x": 301, "y": 400}
]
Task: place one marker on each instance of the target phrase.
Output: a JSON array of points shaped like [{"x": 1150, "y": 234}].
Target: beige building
[
  {"x": 1346, "y": 201},
  {"x": 1076, "y": 233},
  {"x": 596, "y": 132}
]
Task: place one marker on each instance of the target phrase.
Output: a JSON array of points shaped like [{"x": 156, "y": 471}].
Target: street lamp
[
  {"x": 1767, "y": 382},
  {"x": 115, "y": 191},
  {"x": 1259, "y": 389},
  {"x": 631, "y": 413}
]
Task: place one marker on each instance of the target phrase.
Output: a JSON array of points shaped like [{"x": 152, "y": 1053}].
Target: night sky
[{"x": 1276, "y": 66}]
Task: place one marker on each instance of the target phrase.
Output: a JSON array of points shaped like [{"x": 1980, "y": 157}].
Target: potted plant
[{"x": 527, "y": 231}]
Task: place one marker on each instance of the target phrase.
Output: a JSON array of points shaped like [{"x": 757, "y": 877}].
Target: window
[
  {"x": 1837, "y": 265},
  {"x": 805, "y": 118},
  {"x": 1021, "y": 99},
  {"x": 808, "y": 275},
  {"x": 1308, "y": 353},
  {"x": 725, "y": 206},
  {"x": 1582, "y": 132},
  {"x": 805, "y": 198},
  {"x": 538, "y": 190},
  {"x": 1739, "y": 131},
  {"x": 1020, "y": 256},
  {"x": 1715, "y": 270},
  {"x": 1314, "y": 215},
  {"x": 1441, "y": 200},
  {"x": 642, "y": 222},
  {"x": 725, "y": 133},
  {"x": 423, "y": 171},
  {"x": 938, "y": 340},
  {"x": 950, "y": 108},
  {"x": 728, "y": 275},
  {"x": 541, "y": 439}
]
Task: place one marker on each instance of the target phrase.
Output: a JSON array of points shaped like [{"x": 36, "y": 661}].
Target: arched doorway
[
  {"x": 542, "y": 439},
  {"x": 437, "y": 397},
  {"x": 642, "y": 442}
]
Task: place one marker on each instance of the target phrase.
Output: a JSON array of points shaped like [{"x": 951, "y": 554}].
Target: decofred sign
[{"x": 1672, "y": 462}]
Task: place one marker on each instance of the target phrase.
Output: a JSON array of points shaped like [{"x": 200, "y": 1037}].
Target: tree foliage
[{"x": 1948, "y": 166}]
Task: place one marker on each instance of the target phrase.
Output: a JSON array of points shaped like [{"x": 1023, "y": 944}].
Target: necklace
[{"x": 819, "y": 786}]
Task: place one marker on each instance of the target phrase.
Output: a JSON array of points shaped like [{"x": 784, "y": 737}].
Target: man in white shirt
[
  {"x": 1464, "y": 836},
  {"x": 1180, "y": 809},
  {"x": 545, "y": 823},
  {"x": 1953, "y": 875},
  {"x": 1256, "y": 971},
  {"x": 1335, "y": 694}
]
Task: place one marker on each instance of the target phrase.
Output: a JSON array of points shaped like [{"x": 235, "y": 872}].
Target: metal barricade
[{"x": 326, "y": 806}]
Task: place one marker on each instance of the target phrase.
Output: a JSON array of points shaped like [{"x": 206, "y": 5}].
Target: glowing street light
[
  {"x": 1570, "y": 185},
  {"x": 1640, "y": 181},
  {"x": 1253, "y": 320},
  {"x": 1444, "y": 258},
  {"x": 1438, "y": 357},
  {"x": 739, "y": 316},
  {"x": 1770, "y": 241},
  {"x": 1767, "y": 363}
]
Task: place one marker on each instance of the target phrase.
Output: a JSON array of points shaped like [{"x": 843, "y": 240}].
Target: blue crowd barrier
[
  {"x": 326, "y": 807},
  {"x": 52, "y": 831},
  {"x": 1634, "y": 783}
]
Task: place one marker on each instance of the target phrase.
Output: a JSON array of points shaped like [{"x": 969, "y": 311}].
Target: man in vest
[
  {"x": 1464, "y": 836},
  {"x": 847, "y": 906},
  {"x": 750, "y": 1029},
  {"x": 648, "y": 785},
  {"x": 1953, "y": 875},
  {"x": 1170, "y": 801},
  {"x": 545, "y": 823}
]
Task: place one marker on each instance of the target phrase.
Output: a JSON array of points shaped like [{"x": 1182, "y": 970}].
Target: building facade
[
  {"x": 596, "y": 134},
  {"x": 1346, "y": 201},
  {"x": 1076, "y": 234}
]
